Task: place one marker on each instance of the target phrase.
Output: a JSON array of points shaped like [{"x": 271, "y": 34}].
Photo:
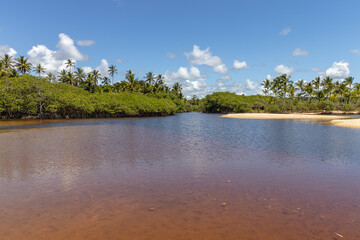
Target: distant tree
[
  {"x": 70, "y": 64},
  {"x": 39, "y": 69},
  {"x": 112, "y": 71},
  {"x": 22, "y": 65}
]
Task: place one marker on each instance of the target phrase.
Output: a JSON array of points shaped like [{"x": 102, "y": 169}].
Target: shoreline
[
  {"x": 335, "y": 120},
  {"x": 285, "y": 116}
]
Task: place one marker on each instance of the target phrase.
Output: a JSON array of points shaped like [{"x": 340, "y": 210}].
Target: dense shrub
[
  {"x": 326, "y": 105},
  {"x": 30, "y": 96}
]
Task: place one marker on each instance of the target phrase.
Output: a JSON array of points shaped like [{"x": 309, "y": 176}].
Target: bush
[
  {"x": 326, "y": 105},
  {"x": 347, "y": 107},
  {"x": 273, "y": 109}
]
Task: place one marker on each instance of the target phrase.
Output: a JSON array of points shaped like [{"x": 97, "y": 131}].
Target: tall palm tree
[
  {"x": 96, "y": 76},
  {"x": 22, "y": 65},
  {"x": 79, "y": 75},
  {"x": 39, "y": 69},
  {"x": 150, "y": 78},
  {"x": 316, "y": 83},
  {"x": 130, "y": 77},
  {"x": 266, "y": 86},
  {"x": 177, "y": 90},
  {"x": 2, "y": 69},
  {"x": 63, "y": 76},
  {"x": 8, "y": 62},
  {"x": 327, "y": 86},
  {"x": 70, "y": 64},
  {"x": 112, "y": 71},
  {"x": 309, "y": 90},
  {"x": 300, "y": 85}
]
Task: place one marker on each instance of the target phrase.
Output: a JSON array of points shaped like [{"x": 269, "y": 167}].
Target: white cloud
[
  {"x": 191, "y": 79},
  {"x": 205, "y": 57},
  {"x": 183, "y": 73},
  {"x": 240, "y": 65},
  {"x": 103, "y": 68},
  {"x": 53, "y": 60},
  {"x": 356, "y": 51},
  {"x": 285, "y": 31},
  {"x": 171, "y": 55},
  {"x": 300, "y": 52},
  {"x": 85, "y": 43},
  {"x": 282, "y": 69},
  {"x": 119, "y": 60},
  {"x": 339, "y": 70},
  {"x": 221, "y": 69},
  {"x": 4, "y": 49}
]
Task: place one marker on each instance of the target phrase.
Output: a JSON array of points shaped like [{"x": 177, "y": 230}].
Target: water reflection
[{"x": 99, "y": 178}]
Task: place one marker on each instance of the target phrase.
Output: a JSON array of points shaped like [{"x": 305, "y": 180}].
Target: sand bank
[
  {"x": 352, "y": 123},
  {"x": 284, "y": 116}
]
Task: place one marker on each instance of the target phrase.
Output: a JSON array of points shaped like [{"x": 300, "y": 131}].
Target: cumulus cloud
[
  {"x": 53, "y": 60},
  {"x": 282, "y": 69},
  {"x": 300, "y": 52},
  {"x": 191, "y": 79},
  {"x": 4, "y": 49},
  {"x": 103, "y": 68},
  {"x": 221, "y": 69},
  {"x": 339, "y": 70},
  {"x": 356, "y": 51},
  {"x": 240, "y": 65},
  {"x": 285, "y": 31},
  {"x": 85, "y": 43},
  {"x": 171, "y": 55},
  {"x": 205, "y": 57}
]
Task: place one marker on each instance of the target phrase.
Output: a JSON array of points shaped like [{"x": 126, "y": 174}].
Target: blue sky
[{"x": 193, "y": 42}]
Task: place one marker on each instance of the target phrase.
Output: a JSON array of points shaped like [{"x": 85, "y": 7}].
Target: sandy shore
[
  {"x": 283, "y": 116},
  {"x": 352, "y": 123}
]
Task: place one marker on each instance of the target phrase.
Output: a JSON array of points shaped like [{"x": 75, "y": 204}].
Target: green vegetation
[
  {"x": 75, "y": 94},
  {"x": 283, "y": 95}
]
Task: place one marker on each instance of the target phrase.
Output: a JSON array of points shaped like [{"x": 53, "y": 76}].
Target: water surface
[{"x": 189, "y": 176}]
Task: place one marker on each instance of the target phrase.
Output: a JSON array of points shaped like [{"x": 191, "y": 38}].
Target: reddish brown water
[{"x": 192, "y": 176}]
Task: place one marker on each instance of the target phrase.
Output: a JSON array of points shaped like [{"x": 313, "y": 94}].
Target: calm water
[{"x": 190, "y": 176}]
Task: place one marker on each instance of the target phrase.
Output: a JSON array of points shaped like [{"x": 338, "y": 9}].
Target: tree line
[
  {"x": 322, "y": 93},
  {"x": 92, "y": 81}
]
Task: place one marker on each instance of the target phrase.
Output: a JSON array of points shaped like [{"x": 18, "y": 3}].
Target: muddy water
[{"x": 190, "y": 176}]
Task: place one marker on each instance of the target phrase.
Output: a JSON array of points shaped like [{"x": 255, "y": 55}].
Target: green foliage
[
  {"x": 273, "y": 109},
  {"x": 347, "y": 107},
  {"x": 326, "y": 105},
  {"x": 31, "y": 96},
  {"x": 224, "y": 102}
]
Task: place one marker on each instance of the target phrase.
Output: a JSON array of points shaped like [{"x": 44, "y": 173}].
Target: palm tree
[
  {"x": 70, "y": 64},
  {"x": 79, "y": 75},
  {"x": 266, "y": 86},
  {"x": 96, "y": 76},
  {"x": 112, "y": 71},
  {"x": 177, "y": 90},
  {"x": 22, "y": 65},
  {"x": 51, "y": 77},
  {"x": 63, "y": 76},
  {"x": 39, "y": 69},
  {"x": 130, "y": 76},
  {"x": 309, "y": 90},
  {"x": 106, "y": 81},
  {"x": 300, "y": 85},
  {"x": 316, "y": 82},
  {"x": 328, "y": 86},
  {"x": 150, "y": 78},
  {"x": 7, "y": 61},
  {"x": 71, "y": 79},
  {"x": 356, "y": 92}
]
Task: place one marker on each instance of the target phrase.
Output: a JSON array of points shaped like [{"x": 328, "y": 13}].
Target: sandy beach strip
[
  {"x": 351, "y": 123},
  {"x": 283, "y": 116}
]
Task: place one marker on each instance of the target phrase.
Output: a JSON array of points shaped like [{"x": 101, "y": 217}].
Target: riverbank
[
  {"x": 351, "y": 123},
  {"x": 284, "y": 116}
]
